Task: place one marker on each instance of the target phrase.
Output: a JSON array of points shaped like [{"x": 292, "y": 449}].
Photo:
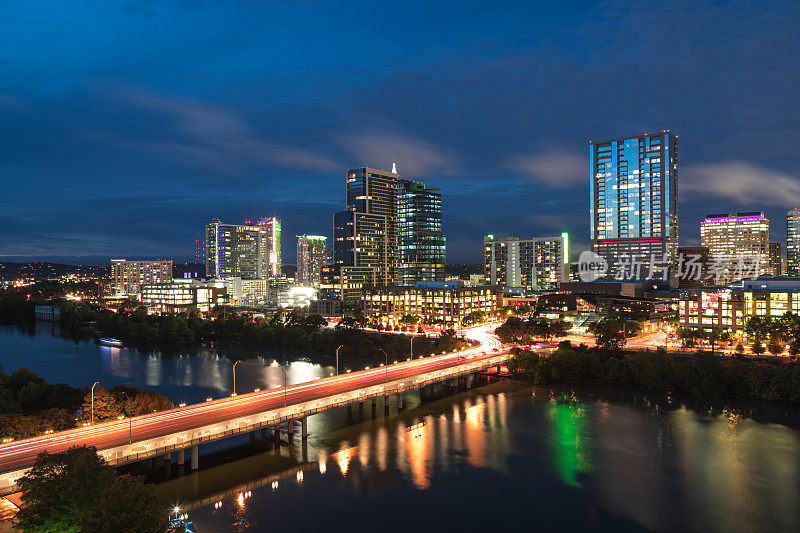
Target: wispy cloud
[
  {"x": 414, "y": 156},
  {"x": 214, "y": 136},
  {"x": 743, "y": 182},
  {"x": 551, "y": 166}
]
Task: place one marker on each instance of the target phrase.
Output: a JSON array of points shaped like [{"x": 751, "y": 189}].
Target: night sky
[{"x": 126, "y": 126}]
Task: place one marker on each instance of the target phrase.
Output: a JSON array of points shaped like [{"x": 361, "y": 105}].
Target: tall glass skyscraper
[
  {"x": 420, "y": 242},
  {"x": 633, "y": 205},
  {"x": 390, "y": 232},
  {"x": 793, "y": 242}
]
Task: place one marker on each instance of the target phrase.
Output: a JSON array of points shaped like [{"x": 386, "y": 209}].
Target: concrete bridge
[{"x": 162, "y": 434}]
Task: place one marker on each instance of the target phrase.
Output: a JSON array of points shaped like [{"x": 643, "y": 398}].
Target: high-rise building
[
  {"x": 365, "y": 233},
  {"x": 793, "y": 242},
  {"x": 733, "y": 240},
  {"x": 633, "y": 205},
  {"x": 127, "y": 277},
  {"x": 312, "y": 255},
  {"x": 389, "y": 233},
  {"x": 775, "y": 259},
  {"x": 421, "y": 244},
  {"x": 249, "y": 250},
  {"x": 535, "y": 264}
]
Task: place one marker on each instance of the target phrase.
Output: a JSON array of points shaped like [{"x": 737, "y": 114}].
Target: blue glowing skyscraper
[{"x": 633, "y": 206}]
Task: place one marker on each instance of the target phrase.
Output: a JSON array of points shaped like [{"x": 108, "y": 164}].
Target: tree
[
  {"x": 739, "y": 348},
  {"x": 775, "y": 345},
  {"x": 61, "y": 490},
  {"x": 612, "y": 331},
  {"x": 128, "y": 505},
  {"x": 105, "y": 406}
]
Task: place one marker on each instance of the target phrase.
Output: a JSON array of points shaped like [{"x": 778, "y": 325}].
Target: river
[{"x": 503, "y": 455}]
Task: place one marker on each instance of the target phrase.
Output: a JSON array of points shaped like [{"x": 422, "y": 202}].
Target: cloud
[
  {"x": 213, "y": 136},
  {"x": 414, "y": 156},
  {"x": 743, "y": 182},
  {"x": 551, "y": 166}
]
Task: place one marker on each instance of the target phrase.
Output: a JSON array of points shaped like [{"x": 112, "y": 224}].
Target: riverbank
[{"x": 702, "y": 374}]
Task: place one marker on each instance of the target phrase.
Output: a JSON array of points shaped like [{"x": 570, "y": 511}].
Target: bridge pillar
[
  {"x": 276, "y": 433},
  {"x": 455, "y": 382},
  {"x": 386, "y": 401},
  {"x": 252, "y": 438},
  {"x": 264, "y": 435},
  {"x": 181, "y": 457},
  {"x": 168, "y": 459},
  {"x": 195, "y": 457},
  {"x": 290, "y": 427},
  {"x": 469, "y": 381},
  {"x": 399, "y": 401},
  {"x": 374, "y": 402},
  {"x": 304, "y": 427}
]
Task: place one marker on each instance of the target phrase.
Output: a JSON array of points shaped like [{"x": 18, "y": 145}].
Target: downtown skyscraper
[
  {"x": 633, "y": 206},
  {"x": 312, "y": 255},
  {"x": 251, "y": 250},
  {"x": 420, "y": 242},
  {"x": 793, "y": 242},
  {"x": 730, "y": 238},
  {"x": 389, "y": 233}
]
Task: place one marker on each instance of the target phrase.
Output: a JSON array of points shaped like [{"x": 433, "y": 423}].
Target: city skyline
[{"x": 222, "y": 126}]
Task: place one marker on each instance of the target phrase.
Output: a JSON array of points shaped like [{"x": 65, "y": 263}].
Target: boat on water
[{"x": 110, "y": 341}]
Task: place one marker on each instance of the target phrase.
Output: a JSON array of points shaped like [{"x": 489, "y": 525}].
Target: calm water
[{"x": 500, "y": 456}]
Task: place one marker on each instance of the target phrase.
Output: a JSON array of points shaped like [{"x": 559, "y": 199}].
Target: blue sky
[{"x": 126, "y": 126}]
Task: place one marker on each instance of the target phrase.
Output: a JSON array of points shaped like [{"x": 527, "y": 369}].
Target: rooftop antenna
[{"x": 394, "y": 167}]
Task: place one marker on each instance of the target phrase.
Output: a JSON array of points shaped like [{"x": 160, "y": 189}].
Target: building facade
[
  {"x": 793, "y": 242},
  {"x": 127, "y": 277},
  {"x": 420, "y": 242},
  {"x": 775, "y": 259},
  {"x": 733, "y": 240},
  {"x": 435, "y": 301},
  {"x": 633, "y": 206},
  {"x": 183, "y": 295},
  {"x": 250, "y": 250},
  {"x": 390, "y": 231},
  {"x": 365, "y": 233},
  {"x": 731, "y": 307},
  {"x": 312, "y": 255},
  {"x": 534, "y": 264}
]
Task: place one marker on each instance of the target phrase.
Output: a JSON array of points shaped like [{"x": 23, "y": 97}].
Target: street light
[
  {"x": 385, "y": 366},
  {"x": 93, "y": 386},
  {"x": 337, "y": 359},
  {"x": 234, "y": 376},
  {"x": 412, "y": 347},
  {"x": 130, "y": 420},
  {"x": 275, "y": 363}
]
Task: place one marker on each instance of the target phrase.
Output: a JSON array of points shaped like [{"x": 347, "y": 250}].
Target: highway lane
[{"x": 21, "y": 454}]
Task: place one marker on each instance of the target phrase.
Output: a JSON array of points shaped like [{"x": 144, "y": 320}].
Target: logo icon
[{"x": 591, "y": 266}]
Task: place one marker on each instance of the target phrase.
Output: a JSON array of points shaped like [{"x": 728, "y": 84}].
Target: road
[{"x": 21, "y": 454}]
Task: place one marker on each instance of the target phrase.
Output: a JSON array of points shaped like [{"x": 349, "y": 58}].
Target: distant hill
[{"x": 42, "y": 270}]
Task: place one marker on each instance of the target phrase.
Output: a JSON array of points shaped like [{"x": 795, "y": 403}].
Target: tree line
[{"x": 702, "y": 374}]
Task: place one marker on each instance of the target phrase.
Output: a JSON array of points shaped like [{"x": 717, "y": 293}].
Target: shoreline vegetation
[{"x": 702, "y": 374}]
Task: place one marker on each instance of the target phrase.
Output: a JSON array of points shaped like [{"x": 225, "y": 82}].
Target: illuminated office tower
[
  {"x": 730, "y": 237},
  {"x": 633, "y": 206},
  {"x": 421, "y": 244},
  {"x": 365, "y": 234},
  {"x": 793, "y": 242},
  {"x": 312, "y": 255},
  {"x": 249, "y": 250},
  {"x": 536, "y": 264}
]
